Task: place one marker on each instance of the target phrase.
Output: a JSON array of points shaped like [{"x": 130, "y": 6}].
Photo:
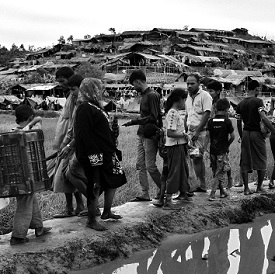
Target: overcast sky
[{"x": 41, "y": 23}]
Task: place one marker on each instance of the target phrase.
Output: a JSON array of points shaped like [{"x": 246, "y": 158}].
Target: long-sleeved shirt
[{"x": 150, "y": 111}]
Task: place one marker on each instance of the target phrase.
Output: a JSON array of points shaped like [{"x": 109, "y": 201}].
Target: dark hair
[
  {"x": 75, "y": 80},
  {"x": 215, "y": 85},
  {"x": 137, "y": 75},
  {"x": 23, "y": 113},
  {"x": 253, "y": 84},
  {"x": 222, "y": 104},
  {"x": 176, "y": 95},
  {"x": 196, "y": 75},
  {"x": 65, "y": 72}
]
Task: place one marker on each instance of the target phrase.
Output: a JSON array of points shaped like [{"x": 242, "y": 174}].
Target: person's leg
[
  {"x": 22, "y": 218},
  {"x": 272, "y": 146},
  {"x": 199, "y": 168},
  {"x": 240, "y": 184},
  {"x": 141, "y": 168},
  {"x": 69, "y": 203},
  {"x": 79, "y": 202},
  {"x": 163, "y": 180},
  {"x": 93, "y": 177},
  {"x": 213, "y": 161},
  {"x": 151, "y": 149},
  {"x": 37, "y": 222},
  {"x": 229, "y": 178},
  {"x": 108, "y": 201},
  {"x": 247, "y": 191},
  {"x": 261, "y": 175}
]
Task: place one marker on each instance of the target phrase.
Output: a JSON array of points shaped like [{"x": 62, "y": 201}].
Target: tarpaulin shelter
[
  {"x": 6, "y": 100},
  {"x": 114, "y": 77},
  {"x": 34, "y": 102}
]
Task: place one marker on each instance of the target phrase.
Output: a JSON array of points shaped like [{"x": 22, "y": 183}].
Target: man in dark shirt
[
  {"x": 150, "y": 113},
  {"x": 251, "y": 111}
]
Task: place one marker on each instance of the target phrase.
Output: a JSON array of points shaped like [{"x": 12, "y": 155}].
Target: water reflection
[{"x": 228, "y": 251}]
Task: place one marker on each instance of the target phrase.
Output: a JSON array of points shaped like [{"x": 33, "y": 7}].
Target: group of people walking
[
  {"x": 88, "y": 160},
  {"x": 203, "y": 123}
]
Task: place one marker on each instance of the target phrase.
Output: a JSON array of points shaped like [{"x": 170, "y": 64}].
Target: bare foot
[
  {"x": 96, "y": 226},
  {"x": 110, "y": 215}
]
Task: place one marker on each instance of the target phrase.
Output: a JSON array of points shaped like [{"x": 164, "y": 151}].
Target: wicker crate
[{"x": 23, "y": 167}]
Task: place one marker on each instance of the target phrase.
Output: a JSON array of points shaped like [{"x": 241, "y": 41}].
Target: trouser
[
  {"x": 27, "y": 216},
  {"x": 146, "y": 161},
  {"x": 272, "y": 145}
]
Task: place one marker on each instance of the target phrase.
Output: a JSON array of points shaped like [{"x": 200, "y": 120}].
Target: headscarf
[{"x": 90, "y": 91}]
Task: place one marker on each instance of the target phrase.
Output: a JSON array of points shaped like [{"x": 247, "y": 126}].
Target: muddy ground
[{"x": 72, "y": 246}]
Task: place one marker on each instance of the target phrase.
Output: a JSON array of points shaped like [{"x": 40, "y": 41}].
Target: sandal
[{"x": 42, "y": 231}]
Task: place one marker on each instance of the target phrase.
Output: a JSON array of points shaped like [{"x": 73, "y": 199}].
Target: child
[
  {"x": 215, "y": 88},
  {"x": 219, "y": 128},
  {"x": 176, "y": 141},
  {"x": 27, "y": 213}
]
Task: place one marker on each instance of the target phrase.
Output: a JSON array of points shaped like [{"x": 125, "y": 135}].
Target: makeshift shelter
[
  {"x": 112, "y": 77},
  {"x": 9, "y": 100},
  {"x": 34, "y": 102}
]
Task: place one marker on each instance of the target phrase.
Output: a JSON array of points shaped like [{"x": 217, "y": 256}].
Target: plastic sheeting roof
[
  {"x": 114, "y": 77},
  {"x": 43, "y": 87},
  {"x": 10, "y": 98}
]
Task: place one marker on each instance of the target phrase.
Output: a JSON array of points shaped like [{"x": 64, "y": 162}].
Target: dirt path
[{"x": 72, "y": 246}]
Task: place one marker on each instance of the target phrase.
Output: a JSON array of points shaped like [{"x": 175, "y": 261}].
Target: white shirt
[
  {"x": 196, "y": 107},
  {"x": 175, "y": 122}
]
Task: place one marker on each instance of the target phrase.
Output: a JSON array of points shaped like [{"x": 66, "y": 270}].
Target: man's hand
[
  {"x": 127, "y": 124},
  {"x": 64, "y": 152}
]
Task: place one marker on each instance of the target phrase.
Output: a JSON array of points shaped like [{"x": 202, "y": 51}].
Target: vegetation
[{"x": 86, "y": 69}]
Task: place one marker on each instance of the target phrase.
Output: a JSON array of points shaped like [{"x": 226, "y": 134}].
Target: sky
[{"x": 41, "y": 23}]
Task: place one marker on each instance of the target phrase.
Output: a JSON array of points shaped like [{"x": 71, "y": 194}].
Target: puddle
[{"x": 247, "y": 248}]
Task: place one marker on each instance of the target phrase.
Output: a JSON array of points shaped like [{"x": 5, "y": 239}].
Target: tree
[
  {"x": 31, "y": 48},
  {"x": 185, "y": 28},
  {"x": 70, "y": 39},
  {"x": 270, "y": 51},
  {"x": 22, "y": 48},
  {"x": 112, "y": 30},
  {"x": 61, "y": 40},
  {"x": 86, "y": 69},
  {"x": 14, "y": 48}
]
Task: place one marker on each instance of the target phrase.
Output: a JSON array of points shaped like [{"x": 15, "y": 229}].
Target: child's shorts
[{"x": 219, "y": 163}]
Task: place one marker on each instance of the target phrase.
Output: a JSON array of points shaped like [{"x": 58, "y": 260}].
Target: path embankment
[{"x": 73, "y": 246}]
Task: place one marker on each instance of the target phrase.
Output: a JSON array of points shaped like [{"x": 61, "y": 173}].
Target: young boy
[
  {"x": 215, "y": 88},
  {"x": 27, "y": 213},
  {"x": 219, "y": 129}
]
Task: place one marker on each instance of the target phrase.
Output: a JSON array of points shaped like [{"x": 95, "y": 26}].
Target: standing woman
[
  {"x": 176, "y": 142},
  {"x": 272, "y": 143},
  {"x": 96, "y": 151}
]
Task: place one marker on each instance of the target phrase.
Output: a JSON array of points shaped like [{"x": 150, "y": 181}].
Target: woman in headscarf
[{"x": 95, "y": 146}]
